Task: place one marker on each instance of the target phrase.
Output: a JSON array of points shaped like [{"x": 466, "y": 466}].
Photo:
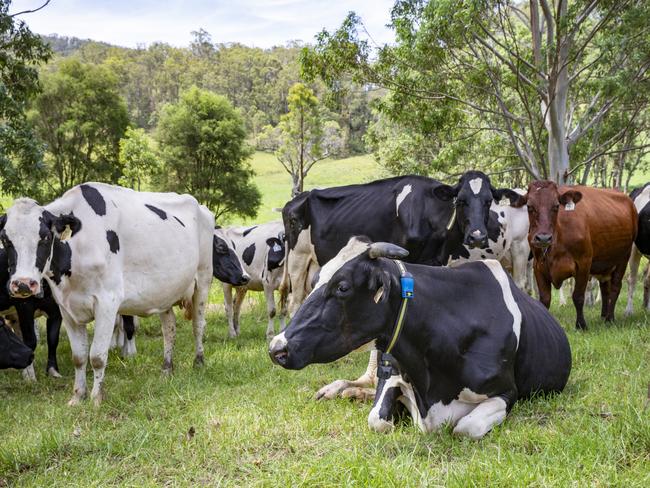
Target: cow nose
[
  {"x": 278, "y": 350},
  {"x": 476, "y": 239},
  {"x": 23, "y": 287},
  {"x": 245, "y": 278},
  {"x": 542, "y": 239}
]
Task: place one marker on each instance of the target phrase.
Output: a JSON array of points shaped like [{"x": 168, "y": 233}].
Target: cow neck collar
[{"x": 387, "y": 363}]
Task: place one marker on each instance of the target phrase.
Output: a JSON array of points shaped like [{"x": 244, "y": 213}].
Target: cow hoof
[
  {"x": 360, "y": 394},
  {"x": 75, "y": 400},
  {"x": 332, "y": 390},
  {"x": 53, "y": 373},
  {"x": 98, "y": 399},
  {"x": 232, "y": 334},
  {"x": 198, "y": 361},
  {"x": 627, "y": 312}
]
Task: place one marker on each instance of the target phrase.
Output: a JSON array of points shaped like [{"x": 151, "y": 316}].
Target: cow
[
  {"x": 26, "y": 309},
  {"x": 106, "y": 250},
  {"x": 641, "y": 247},
  {"x": 13, "y": 352},
  {"x": 471, "y": 343},
  {"x": 435, "y": 222},
  {"x": 261, "y": 250},
  {"x": 579, "y": 231}
]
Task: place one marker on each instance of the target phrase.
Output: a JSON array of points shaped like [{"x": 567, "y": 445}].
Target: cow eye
[{"x": 342, "y": 288}]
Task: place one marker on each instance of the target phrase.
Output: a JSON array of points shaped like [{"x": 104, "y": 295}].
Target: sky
[{"x": 259, "y": 23}]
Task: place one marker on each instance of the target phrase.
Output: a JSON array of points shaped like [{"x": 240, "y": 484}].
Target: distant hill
[{"x": 65, "y": 46}]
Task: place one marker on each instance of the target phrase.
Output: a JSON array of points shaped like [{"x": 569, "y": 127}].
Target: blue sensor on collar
[{"x": 408, "y": 286}]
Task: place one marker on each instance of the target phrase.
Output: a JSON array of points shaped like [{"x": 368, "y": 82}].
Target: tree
[
  {"x": 138, "y": 160},
  {"x": 204, "y": 153},
  {"x": 81, "y": 117},
  {"x": 21, "y": 52},
  {"x": 302, "y": 138},
  {"x": 543, "y": 76}
]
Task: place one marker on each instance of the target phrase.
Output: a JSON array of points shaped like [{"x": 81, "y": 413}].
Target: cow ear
[
  {"x": 386, "y": 250},
  {"x": 445, "y": 192},
  {"x": 3, "y": 221},
  {"x": 570, "y": 196},
  {"x": 519, "y": 202},
  {"x": 380, "y": 284},
  {"x": 501, "y": 193},
  {"x": 65, "y": 226}
]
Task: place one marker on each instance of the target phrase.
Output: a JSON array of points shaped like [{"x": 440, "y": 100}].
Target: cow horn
[{"x": 386, "y": 250}]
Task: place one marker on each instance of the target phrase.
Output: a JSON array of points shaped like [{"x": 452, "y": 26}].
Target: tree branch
[{"x": 29, "y": 11}]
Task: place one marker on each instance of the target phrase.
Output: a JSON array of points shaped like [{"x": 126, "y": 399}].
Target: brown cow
[{"x": 580, "y": 231}]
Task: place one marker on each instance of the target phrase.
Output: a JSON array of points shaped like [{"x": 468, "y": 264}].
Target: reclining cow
[
  {"x": 106, "y": 250},
  {"x": 26, "y": 309},
  {"x": 13, "y": 352},
  {"x": 434, "y": 222},
  {"x": 579, "y": 231},
  {"x": 471, "y": 343},
  {"x": 261, "y": 250}
]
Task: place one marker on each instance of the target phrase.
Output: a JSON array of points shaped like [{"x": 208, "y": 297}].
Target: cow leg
[
  {"x": 26, "y": 322},
  {"x": 646, "y": 287},
  {"x": 483, "y": 418},
  {"x": 615, "y": 289},
  {"x": 227, "y": 302},
  {"x": 104, "y": 325},
  {"x": 605, "y": 286},
  {"x": 168, "y": 322},
  {"x": 361, "y": 388},
  {"x": 578, "y": 296},
  {"x": 78, "y": 336},
  {"x": 199, "y": 299},
  {"x": 635, "y": 259},
  {"x": 519, "y": 252},
  {"x": 240, "y": 294},
  {"x": 270, "y": 309},
  {"x": 544, "y": 288},
  {"x": 53, "y": 332}
]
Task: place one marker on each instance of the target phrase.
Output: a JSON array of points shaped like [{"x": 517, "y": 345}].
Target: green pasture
[{"x": 240, "y": 421}]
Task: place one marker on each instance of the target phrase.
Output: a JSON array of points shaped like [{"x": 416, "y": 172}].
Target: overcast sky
[{"x": 261, "y": 23}]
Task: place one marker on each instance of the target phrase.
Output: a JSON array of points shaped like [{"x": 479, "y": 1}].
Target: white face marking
[
  {"x": 501, "y": 277},
  {"x": 278, "y": 340},
  {"x": 642, "y": 199},
  {"x": 476, "y": 185},
  {"x": 352, "y": 249},
  {"x": 402, "y": 195},
  {"x": 22, "y": 229}
]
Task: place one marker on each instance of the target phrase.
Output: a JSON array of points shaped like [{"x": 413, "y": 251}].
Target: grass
[{"x": 240, "y": 421}]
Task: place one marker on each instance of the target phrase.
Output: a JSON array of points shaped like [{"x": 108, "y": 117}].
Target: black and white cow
[
  {"x": 261, "y": 250},
  {"x": 26, "y": 309},
  {"x": 13, "y": 352},
  {"x": 434, "y": 222},
  {"x": 472, "y": 343},
  {"x": 641, "y": 247},
  {"x": 106, "y": 250}
]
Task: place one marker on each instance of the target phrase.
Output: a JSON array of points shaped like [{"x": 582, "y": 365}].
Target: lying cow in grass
[
  {"x": 261, "y": 251},
  {"x": 472, "y": 343},
  {"x": 13, "y": 353}
]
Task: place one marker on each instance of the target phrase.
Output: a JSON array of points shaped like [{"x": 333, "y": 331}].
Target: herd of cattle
[{"x": 465, "y": 343}]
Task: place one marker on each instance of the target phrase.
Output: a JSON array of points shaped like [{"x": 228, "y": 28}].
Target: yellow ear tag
[
  {"x": 570, "y": 206},
  {"x": 379, "y": 294},
  {"x": 66, "y": 234}
]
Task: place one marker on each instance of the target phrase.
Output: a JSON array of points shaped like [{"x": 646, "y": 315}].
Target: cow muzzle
[
  {"x": 476, "y": 239},
  {"x": 542, "y": 241},
  {"x": 278, "y": 350},
  {"x": 24, "y": 288}
]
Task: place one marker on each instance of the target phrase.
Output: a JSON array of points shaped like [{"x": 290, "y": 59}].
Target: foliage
[
  {"x": 21, "y": 52},
  {"x": 204, "y": 153},
  {"x": 138, "y": 160},
  {"x": 302, "y": 138},
  {"x": 81, "y": 117},
  {"x": 541, "y": 82}
]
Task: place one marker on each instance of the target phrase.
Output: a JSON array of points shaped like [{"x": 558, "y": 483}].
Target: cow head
[
  {"x": 226, "y": 265},
  {"x": 13, "y": 353},
  {"x": 544, "y": 200},
  {"x": 294, "y": 216},
  {"x": 348, "y": 307},
  {"x": 473, "y": 196},
  {"x": 27, "y": 232}
]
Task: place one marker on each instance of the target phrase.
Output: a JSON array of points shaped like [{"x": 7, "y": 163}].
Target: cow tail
[{"x": 285, "y": 284}]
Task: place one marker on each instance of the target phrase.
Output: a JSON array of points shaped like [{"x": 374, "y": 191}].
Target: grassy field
[{"x": 240, "y": 421}]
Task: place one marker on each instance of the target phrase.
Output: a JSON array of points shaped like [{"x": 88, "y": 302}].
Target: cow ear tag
[
  {"x": 570, "y": 206},
  {"x": 379, "y": 294},
  {"x": 408, "y": 286},
  {"x": 66, "y": 234}
]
